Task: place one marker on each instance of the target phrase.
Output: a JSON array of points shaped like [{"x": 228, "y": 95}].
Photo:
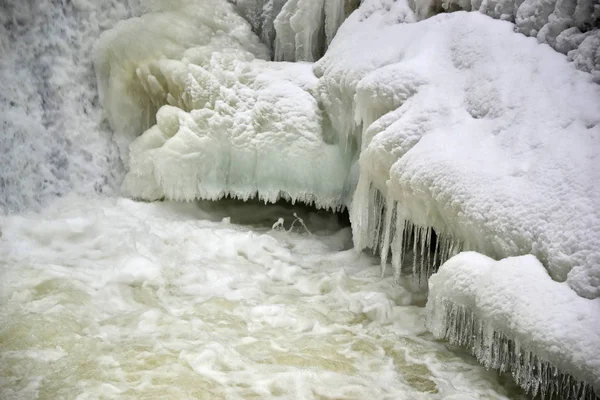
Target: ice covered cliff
[
  {"x": 295, "y": 30},
  {"x": 474, "y": 137},
  {"x": 479, "y": 133}
]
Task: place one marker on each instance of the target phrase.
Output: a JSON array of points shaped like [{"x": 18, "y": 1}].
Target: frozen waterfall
[{"x": 465, "y": 152}]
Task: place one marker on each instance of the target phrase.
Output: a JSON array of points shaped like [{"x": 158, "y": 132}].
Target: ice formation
[
  {"x": 514, "y": 318},
  {"x": 295, "y": 30},
  {"x": 218, "y": 120},
  {"x": 469, "y": 129}
]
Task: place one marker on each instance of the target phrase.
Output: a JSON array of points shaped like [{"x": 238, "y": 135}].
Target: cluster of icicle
[
  {"x": 456, "y": 324},
  {"x": 378, "y": 224},
  {"x": 295, "y": 30}
]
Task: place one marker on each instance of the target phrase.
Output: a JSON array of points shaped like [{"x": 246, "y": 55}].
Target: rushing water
[{"x": 109, "y": 298}]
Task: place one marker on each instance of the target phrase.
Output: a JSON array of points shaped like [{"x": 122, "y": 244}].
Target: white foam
[{"x": 115, "y": 297}]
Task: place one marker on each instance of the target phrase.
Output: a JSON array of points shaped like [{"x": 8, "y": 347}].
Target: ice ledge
[{"x": 514, "y": 318}]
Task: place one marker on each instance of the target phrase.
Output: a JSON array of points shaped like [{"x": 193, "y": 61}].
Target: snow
[
  {"x": 569, "y": 26},
  {"x": 482, "y": 134},
  {"x": 483, "y": 304}
]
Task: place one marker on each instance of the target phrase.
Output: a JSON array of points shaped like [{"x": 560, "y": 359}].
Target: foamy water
[{"x": 103, "y": 299}]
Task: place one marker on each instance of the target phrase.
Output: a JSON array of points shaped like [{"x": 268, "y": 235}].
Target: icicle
[
  {"x": 459, "y": 326},
  {"x": 398, "y": 244},
  {"x": 390, "y": 214},
  {"x": 414, "y": 249}
]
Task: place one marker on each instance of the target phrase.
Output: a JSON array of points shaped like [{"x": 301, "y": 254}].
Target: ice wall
[
  {"x": 52, "y": 141},
  {"x": 514, "y": 318},
  {"x": 295, "y": 30},
  {"x": 569, "y": 26},
  {"x": 215, "y": 118},
  {"x": 472, "y": 130}
]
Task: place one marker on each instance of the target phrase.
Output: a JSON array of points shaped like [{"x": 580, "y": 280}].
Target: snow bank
[
  {"x": 513, "y": 317},
  {"x": 470, "y": 129},
  {"x": 217, "y": 119}
]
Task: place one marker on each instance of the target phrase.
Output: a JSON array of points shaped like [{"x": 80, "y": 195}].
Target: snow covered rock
[
  {"x": 514, "y": 318},
  {"x": 569, "y": 26},
  {"x": 470, "y": 129}
]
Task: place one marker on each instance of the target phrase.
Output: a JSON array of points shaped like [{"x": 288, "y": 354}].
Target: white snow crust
[
  {"x": 473, "y": 130},
  {"x": 568, "y": 26},
  {"x": 515, "y": 296}
]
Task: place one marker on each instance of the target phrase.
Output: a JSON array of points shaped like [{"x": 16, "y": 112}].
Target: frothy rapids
[{"x": 120, "y": 299}]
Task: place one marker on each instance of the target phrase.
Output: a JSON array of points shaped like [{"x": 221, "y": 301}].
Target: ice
[
  {"x": 514, "y": 318},
  {"x": 295, "y": 30},
  {"x": 472, "y": 130},
  {"x": 135, "y": 77},
  {"x": 261, "y": 14},
  {"x": 383, "y": 223},
  {"x": 215, "y": 118},
  {"x": 304, "y": 28},
  {"x": 262, "y": 137}
]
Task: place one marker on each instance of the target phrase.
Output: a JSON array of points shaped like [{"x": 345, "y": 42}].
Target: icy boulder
[
  {"x": 473, "y": 137},
  {"x": 514, "y": 318},
  {"x": 215, "y": 118}
]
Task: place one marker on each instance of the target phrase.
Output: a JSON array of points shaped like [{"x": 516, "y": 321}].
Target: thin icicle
[
  {"x": 390, "y": 211},
  {"x": 398, "y": 244}
]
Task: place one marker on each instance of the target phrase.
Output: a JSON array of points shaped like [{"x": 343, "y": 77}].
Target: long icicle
[{"x": 459, "y": 326}]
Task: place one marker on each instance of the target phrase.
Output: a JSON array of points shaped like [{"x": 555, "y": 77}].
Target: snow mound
[
  {"x": 470, "y": 129},
  {"x": 217, "y": 119},
  {"x": 513, "y": 317},
  {"x": 568, "y": 26}
]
